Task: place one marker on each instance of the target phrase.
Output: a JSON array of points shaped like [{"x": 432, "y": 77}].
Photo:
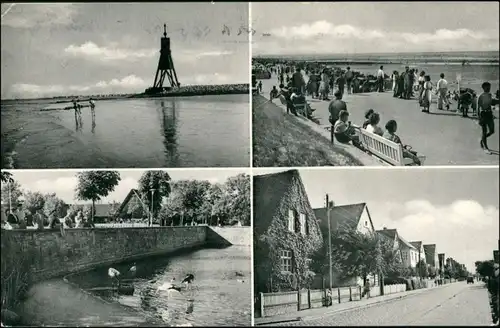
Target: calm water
[
  {"x": 449, "y": 63},
  {"x": 157, "y": 132},
  {"x": 218, "y": 296}
]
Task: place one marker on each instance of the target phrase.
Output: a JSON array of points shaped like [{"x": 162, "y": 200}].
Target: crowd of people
[
  {"x": 408, "y": 84},
  {"x": 21, "y": 218}
]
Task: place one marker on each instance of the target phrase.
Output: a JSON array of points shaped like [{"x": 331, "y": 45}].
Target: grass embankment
[{"x": 281, "y": 140}]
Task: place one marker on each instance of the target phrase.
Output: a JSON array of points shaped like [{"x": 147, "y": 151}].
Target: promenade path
[
  {"x": 444, "y": 137},
  {"x": 457, "y": 304}
]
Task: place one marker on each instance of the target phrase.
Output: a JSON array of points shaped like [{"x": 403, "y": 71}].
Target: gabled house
[
  {"x": 285, "y": 231},
  {"x": 352, "y": 217},
  {"x": 391, "y": 235},
  {"x": 346, "y": 217},
  {"x": 409, "y": 253},
  {"x": 431, "y": 255},
  {"x": 420, "y": 249}
]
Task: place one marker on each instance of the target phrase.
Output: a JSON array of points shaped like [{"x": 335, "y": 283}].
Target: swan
[
  {"x": 113, "y": 273},
  {"x": 188, "y": 279}
]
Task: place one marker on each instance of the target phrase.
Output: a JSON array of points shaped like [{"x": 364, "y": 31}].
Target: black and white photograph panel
[
  {"x": 125, "y": 85},
  {"x": 126, "y": 248},
  {"x": 367, "y": 84},
  {"x": 376, "y": 247}
]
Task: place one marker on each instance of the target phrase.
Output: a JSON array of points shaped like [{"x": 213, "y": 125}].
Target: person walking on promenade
[
  {"x": 341, "y": 84},
  {"x": 485, "y": 111},
  {"x": 394, "y": 79},
  {"x": 336, "y": 106},
  {"x": 324, "y": 85},
  {"x": 380, "y": 79},
  {"x": 442, "y": 89},
  {"x": 421, "y": 81},
  {"x": 426, "y": 95},
  {"x": 349, "y": 75},
  {"x": 298, "y": 80},
  {"x": 407, "y": 83}
]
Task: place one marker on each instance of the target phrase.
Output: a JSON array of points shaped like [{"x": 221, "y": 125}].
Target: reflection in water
[
  {"x": 93, "y": 122},
  {"x": 78, "y": 119},
  {"x": 169, "y": 131}
]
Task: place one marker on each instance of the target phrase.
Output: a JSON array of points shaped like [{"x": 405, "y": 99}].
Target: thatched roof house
[{"x": 286, "y": 232}]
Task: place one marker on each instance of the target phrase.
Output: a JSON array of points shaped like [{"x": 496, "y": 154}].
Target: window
[
  {"x": 303, "y": 224},
  {"x": 291, "y": 221},
  {"x": 404, "y": 255},
  {"x": 366, "y": 223},
  {"x": 286, "y": 261}
]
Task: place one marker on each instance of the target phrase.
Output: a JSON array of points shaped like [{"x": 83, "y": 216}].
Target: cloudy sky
[
  {"x": 63, "y": 182},
  {"x": 364, "y": 27},
  {"x": 457, "y": 209},
  {"x": 53, "y": 49}
]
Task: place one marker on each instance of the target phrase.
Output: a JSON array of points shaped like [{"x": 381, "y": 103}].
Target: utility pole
[{"x": 329, "y": 241}]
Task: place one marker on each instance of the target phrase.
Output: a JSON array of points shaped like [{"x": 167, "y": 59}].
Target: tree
[
  {"x": 54, "y": 206},
  {"x": 188, "y": 200},
  {"x": 391, "y": 259},
  {"x": 432, "y": 272},
  {"x": 485, "y": 268},
  {"x": 93, "y": 185},
  {"x": 237, "y": 194},
  {"x": 354, "y": 254},
  {"x": 210, "y": 209},
  {"x": 6, "y": 177},
  {"x": 159, "y": 181},
  {"x": 422, "y": 269},
  {"x": 11, "y": 191},
  {"x": 34, "y": 201},
  {"x": 114, "y": 206}
]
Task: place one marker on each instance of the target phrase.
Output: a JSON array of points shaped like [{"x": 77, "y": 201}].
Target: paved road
[
  {"x": 444, "y": 137},
  {"x": 459, "y": 304}
]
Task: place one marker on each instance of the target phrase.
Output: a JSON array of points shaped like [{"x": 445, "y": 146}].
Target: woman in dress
[
  {"x": 426, "y": 94},
  {"x": 394, "y": 78},
  {"x": 421, "y": 81}
]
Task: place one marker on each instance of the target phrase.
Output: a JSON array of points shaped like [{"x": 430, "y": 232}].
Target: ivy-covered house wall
[{"x": 277, "y": 198}]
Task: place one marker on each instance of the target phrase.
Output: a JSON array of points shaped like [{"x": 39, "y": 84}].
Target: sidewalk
[{"x": 313, "y": 314}]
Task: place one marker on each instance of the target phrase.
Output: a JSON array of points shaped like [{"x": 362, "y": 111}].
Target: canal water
[
  {"x": 220, "y": 294},
  {"x": 199, "y": 131}
]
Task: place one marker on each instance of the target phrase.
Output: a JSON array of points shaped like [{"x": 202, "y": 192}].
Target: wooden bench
[{"x": 386, "y": 150}]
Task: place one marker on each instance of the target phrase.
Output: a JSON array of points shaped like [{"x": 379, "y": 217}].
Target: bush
[
  {"x": 394, "y": 281},
  {"x": 409, "y": 285}
]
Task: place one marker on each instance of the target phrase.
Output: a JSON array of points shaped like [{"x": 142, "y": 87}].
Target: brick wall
[{"x": 51, "y": 254}]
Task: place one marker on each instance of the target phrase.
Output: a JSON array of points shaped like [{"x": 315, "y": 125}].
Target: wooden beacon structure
[{"x": 165, "y": 68}]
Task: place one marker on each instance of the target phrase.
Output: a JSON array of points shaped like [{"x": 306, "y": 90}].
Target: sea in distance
[
  {"x": 197, "y": 131},
  {"x": 472, "y": 68}
]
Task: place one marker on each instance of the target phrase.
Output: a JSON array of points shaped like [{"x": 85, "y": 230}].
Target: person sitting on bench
[
  {"x": 372, "y": 127},
  {"x": 343, "y": 130},
  {"x": 285, "y": 92},
  {"x": 390, "y": 134},
  {"x": 274, "y": 93}
]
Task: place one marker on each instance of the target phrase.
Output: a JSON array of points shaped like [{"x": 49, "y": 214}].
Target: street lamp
[{"x": 151, "y": 211}]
